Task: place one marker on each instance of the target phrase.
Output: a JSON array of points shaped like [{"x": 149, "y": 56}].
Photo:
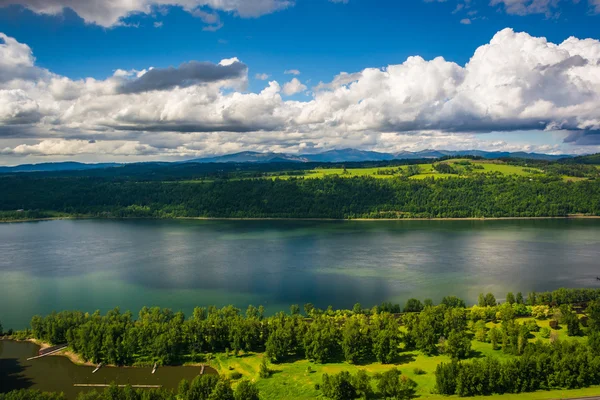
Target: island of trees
[{"x": 540, "y": 341}]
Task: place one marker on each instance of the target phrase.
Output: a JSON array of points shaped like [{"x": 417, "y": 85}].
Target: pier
[
  {"x": 47, "y": 354},
  {"x": 104, "y": 385}
]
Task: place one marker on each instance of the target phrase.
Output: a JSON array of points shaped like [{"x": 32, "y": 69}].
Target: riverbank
[{"x": 567, "y": 217}]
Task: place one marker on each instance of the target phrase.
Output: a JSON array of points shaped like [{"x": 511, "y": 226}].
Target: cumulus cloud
[
  {"x": 293, "y": 87},
  {"x": 291, "y": 72},
  {"x": 515, "y": 82},
  {"x": 110, "y": 13},
  {"x": 187, "y": 74},
  {"x": 262, "y": 77}
]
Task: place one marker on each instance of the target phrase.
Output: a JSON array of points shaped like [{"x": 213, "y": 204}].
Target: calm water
[
  {"x": 59, "y": 374},
  {"x": 96, "y": 264}
]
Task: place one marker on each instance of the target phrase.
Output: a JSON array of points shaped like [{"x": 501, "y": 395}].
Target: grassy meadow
[
  {"x": 427, "y": 170},
  {"x": 297, "y": 379}
]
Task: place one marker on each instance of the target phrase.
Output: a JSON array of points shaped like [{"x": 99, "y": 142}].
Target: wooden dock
[
  {"x": 47, "y": 354},
  {"x": 104, "y": 385}
]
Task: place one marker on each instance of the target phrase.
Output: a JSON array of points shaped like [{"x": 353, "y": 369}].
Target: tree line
[
  {"x": 330, "y": 197},
  {"x": 358, "y": 336}
]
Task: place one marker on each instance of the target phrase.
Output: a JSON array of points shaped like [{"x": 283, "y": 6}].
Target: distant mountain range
[
  {"x": 350, "y": 155},
  {"x": 331, "y": 156},
  {"x": 57, "y": 166}
]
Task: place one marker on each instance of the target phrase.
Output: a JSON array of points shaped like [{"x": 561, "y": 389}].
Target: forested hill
[{"x": 329, "y": 197}]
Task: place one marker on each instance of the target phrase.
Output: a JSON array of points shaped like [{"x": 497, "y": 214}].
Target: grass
[
  {"x": 296, "y": 380},
  {"x": 427, "y": 171}
]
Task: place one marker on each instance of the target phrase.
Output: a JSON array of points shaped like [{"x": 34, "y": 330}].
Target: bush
[
  {"x": 540, "y": 312},
  {"x": 419, "y": 371},
  {"x": 235, "y": 375},
  {"x": 545, "y": 332},
  {"x": 532, "y": 326},
  {"x": 553, "y": 324}
]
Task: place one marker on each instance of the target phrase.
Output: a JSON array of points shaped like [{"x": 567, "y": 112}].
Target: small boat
[
  {"x": 155, "y": 366},
  {"x": 97, "y": 368}
]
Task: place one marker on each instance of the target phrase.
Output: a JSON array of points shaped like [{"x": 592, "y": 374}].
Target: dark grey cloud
[
  {"x": 584, "y": 138},
  {"x": 187, "y": 74}
]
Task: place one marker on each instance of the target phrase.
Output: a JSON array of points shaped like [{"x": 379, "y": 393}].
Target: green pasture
[{"x": 297, "y": 379}]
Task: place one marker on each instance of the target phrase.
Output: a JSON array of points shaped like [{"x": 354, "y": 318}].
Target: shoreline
[{"x": 574, "y": 216}]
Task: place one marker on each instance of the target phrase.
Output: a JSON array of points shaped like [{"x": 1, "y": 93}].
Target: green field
[
  {"x": 296, "y": 380},
  {"x": 427, "y": 170}
]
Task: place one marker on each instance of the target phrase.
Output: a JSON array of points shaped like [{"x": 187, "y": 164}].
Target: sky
[{"x": 141, "y": 80}]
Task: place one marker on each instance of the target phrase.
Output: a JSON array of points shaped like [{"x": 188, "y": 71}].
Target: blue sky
[{"x": 318, "y": 38}]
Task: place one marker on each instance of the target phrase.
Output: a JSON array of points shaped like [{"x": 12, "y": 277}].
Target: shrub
[
  {"x": 419, "y": 371},
  {"x": 553, "y": 324},
  {"x": 545, "y": 332},
  {"x": 532, "y": 326},
  {"x": 540, "y": 312},
  {"x": 235, "y": 375}
]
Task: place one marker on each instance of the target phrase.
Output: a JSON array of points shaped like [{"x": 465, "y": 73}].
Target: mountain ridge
[{"x": 330, "y": 156}]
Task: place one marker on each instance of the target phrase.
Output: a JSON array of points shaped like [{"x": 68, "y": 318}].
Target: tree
[
  {"x": 264, "y": 371},
  {"x": 510, "y": 298},
  {"x": 385, "y": 345},
  {"x": 480, "y": 331},
  {"x": 407, "y": 389},
  {"x": 481, "y": 300},
  {"x": 338, "y": 386},
  {"x": 570, "y": 319},
  {"x": 308, "y": 309},
  {"x": 356, "y": 340},
  {"x": 520, "y": 298},
  {"x": 222, "y": 391},
  {"x": 505, "y": 312},
  {"x": 413, "y": 305},
  {"x": 458, "y": 345},
  {"x": 453, "y": 302},
  {"x": 202, "y": 387},
  {"x": 321, "y": 339},
  {"x": 357, "y": 309},
  {"x": 494, "y": 337},
  {"x": 246, "y": 391},
  {"x": 183, "y": 389},
  {"x": 455, "y": 319},
  {"x": 362, "y": 384},
  {"x": 1, "y": 329},
  {"x": 392, "y": 385},
  {"x": 593, "y": 313},
  {"x": 294, "y": 309},
  {"x": 532, "y": 299}
]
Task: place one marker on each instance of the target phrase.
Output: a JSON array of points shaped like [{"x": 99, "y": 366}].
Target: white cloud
[
  {"x": 158, "y": 24},
  {"x": 261, "y": 77},
  {"x": 516, "y": 82},
  {"x": 465, "y": 21},
  {"x": 293, "y": 87},
  {"x": 110, "y": 13},
  {"x": 292, "y": 72}
]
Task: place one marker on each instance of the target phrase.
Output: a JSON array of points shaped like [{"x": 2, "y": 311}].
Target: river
[
  {"x": 101, "y": 264},
  {"x": 59, "y": 374}
]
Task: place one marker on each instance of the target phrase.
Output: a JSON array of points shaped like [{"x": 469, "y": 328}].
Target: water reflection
[{"x": 99, "y": 264}]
